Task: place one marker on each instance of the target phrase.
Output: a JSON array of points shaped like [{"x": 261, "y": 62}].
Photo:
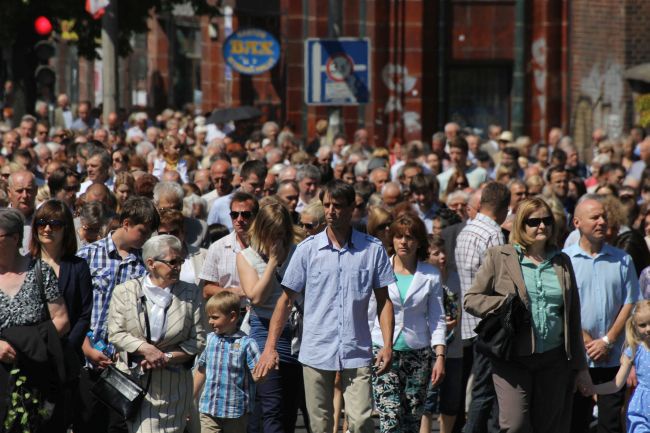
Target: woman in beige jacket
[
  {"x": 535, "y": 388},
  {"x": 177, "y": 335}
]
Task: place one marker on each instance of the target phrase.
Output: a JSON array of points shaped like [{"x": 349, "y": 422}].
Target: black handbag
[
  {"x": 118, "y": 390},
  {"x": 496, "y": 332}
]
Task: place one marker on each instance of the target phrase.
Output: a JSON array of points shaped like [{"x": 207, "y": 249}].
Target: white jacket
[{"x": 421, "y": 317}]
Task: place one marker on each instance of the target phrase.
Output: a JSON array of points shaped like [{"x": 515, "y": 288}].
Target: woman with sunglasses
[
  {"x": 535, "y": 388},
  {"x": 312, "y": 218},
  {"x": 171, "y": 223},
  {"x": 260, "y": 268},
  {"x": 165, "y": 353},
  {"x": 54, "y": 243}
]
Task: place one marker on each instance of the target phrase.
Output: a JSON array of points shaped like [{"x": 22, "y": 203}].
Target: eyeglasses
[
  {"x": 118, "y": 160},
  {"x": 308, "y": 226},
  {"x": 177, "y": 263},
  {"x": 244, "y": 214},
  {"x": 461, "y": 185},
  {"x": 535, "y": 222},
  {"x": 54, "y": 224}
]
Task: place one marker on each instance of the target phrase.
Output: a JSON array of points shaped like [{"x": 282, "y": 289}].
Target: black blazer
[{"x": 75, "y": 285}]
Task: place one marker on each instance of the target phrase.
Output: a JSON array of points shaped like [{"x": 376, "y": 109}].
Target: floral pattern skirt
[{"x": 399, "y": 394}]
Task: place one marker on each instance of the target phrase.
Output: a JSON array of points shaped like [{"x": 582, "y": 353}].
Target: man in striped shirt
[{"x": 477, "y": 236}]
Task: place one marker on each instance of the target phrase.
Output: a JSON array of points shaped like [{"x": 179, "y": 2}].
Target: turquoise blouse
[
  {"x": 403, "y": 284},
  {"x": 546, "y": 301}
]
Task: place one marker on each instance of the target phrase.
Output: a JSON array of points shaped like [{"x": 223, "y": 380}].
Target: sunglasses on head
[
  {"x": 54, "y": 224},
  {"x": 244, "y": 214},
  {"x": 535, "y": 222}
]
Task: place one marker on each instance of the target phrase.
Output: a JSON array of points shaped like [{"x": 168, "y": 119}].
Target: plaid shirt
[
  {"x": 108, "y": 269},
  {"x": 229, "y": 390},
  {"x": 473, "y": 241}
]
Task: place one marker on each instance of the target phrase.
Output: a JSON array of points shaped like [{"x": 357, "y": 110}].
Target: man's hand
[
  {"x": 438, "y": 371},
  {"x": 96, "y": 357},
  {"x": 384, "y": 358},
  {"x": 597, "y": 350},
  {"x": 7, "y": 353},
  {"x": 269, "y": 360}
]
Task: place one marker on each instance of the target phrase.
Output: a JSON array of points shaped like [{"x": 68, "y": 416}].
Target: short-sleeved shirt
[
  {"x": 26, "y": 307},
  {"x": 229, "y": 390},
  {"x": 337, "y": 285},
  {"x": 220, "y": 211},
  {"x": 220, "y": 264},
  {"x": 606, "y": 283},
  {"x": 107, "y": 270}
]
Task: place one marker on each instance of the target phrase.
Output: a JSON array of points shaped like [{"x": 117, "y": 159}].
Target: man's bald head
[
  {"x": 98, "y": 192},
  {"x": 590, "y": 219}
]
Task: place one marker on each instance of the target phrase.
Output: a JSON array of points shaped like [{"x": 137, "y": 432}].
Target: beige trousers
[
  {"x": 357, "y": 394},
  {"x": 223, "y": 425}
]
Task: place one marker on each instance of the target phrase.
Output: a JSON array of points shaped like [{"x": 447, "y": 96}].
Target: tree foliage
[{"x": 17, "y": 18}]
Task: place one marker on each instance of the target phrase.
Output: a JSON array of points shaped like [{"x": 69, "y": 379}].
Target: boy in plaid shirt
[{"x": 225, "y": 368}]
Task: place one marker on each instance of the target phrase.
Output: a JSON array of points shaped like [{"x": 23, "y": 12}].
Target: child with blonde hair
[{"x": 637, "y": 354}]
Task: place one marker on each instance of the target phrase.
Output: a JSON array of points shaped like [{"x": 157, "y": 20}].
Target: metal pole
[
  {"x": 109, "y": 59},
  {"x": 361, "y": 118},
  {"x": 442, "y": 63},
  {"x": 305, "y": 35},
  {"x": 334, "y": 26},
  {"x": 518, "y": 71}
]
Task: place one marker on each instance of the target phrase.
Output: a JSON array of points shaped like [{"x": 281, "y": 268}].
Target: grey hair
[
  {"x": 105, "y": 157},
  {"x": 361, "y": 168},
  {"x": 143, "y": 148},
  {"x": 307, "y": 171},
  {"x": 158, "y": 246},
  {"x": 190, "y": 201},
  {"x": 268, "y": 125},
  {"x": 167, "y": 188},
  {"x": 590, "y": 196},
  {"x": 12, "y": 221},
  {"x": 458, "y": 194}
]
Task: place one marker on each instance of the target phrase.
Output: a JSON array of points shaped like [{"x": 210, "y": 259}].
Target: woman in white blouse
[{"x": 419, "y": 327}]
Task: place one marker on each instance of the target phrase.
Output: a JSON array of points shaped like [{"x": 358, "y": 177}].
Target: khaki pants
[
  {"x": 223, "y": 425},
  {"x": 357, "y": 393}
]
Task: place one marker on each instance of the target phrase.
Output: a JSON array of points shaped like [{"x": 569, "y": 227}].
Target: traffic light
[{"x": 44, "y": 49}]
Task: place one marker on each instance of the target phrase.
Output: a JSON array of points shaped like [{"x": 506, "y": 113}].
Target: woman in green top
[
  {"x": 534, "y": 388},
  {"x": 419, "y": 327}
]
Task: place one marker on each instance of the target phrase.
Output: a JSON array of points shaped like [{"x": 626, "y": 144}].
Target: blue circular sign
[{"x": 251, "y": 51}]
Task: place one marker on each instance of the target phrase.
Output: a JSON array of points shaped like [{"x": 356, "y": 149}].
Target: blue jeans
[{"x": 483, "y": 414}]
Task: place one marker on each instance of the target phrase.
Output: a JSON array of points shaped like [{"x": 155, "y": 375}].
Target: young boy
[{"x": 225, "y": 367}]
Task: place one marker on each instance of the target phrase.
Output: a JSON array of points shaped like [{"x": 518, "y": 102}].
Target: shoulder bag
[
  {"x": 496, "y": 332},
  {"x": 118, "y": 390}
]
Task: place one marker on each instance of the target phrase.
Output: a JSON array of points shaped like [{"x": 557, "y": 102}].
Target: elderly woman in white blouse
[{"x": 177, "y": 335}]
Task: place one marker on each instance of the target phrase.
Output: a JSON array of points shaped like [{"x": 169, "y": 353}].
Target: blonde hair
[
  {"x": 223, "y": 302},
  {"x": 632, "y": 337},
  {"x": 524, "y": 210},
  {"x": 272, "y": 225}
]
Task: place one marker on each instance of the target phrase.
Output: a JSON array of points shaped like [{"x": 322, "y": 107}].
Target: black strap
[
  {"x": 143, "y": 300},
  {"x": 38, "y": 270}
]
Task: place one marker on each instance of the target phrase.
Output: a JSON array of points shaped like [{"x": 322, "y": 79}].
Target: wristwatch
[
  {"x": 608, "y": 344},
  {"x": 169, "y": 355}
]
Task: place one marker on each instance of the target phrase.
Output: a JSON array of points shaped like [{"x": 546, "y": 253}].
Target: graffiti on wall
[
  {"x": 399, "y": 83},
  {"x": 538, "y": 51},
  {"x": 600, "y": 104}
]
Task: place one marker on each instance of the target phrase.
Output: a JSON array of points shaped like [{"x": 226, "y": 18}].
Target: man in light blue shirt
[
  {"x": 608, "y": 287},
  {"x": 337, "y": 270}
]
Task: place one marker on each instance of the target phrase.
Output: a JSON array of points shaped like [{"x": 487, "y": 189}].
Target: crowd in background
[{"x": 175, "y": 210}]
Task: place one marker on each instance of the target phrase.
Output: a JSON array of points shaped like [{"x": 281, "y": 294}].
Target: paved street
[{"x": 300, "y": 425}]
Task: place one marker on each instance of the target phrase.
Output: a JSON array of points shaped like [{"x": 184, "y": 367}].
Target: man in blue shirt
[
  {"x": 608, "y": 286},
  {"x": 337, "y": 270}
]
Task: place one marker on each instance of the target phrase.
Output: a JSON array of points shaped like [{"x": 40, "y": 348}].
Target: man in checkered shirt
[{"x": 481, "y": 233}]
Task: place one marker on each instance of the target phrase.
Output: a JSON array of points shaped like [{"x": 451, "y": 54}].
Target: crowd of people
[{"x": 247, "y": 276}]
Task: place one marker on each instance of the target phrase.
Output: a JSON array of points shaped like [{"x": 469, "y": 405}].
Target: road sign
[
  {"x": 337, "y": 71},
  {"x": 251, "y": 51}
]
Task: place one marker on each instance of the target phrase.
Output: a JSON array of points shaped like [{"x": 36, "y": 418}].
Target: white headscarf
[{"x": 158, "y": 299}]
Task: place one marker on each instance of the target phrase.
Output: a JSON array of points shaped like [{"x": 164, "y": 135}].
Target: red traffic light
[{"x": 43, "y": 26}]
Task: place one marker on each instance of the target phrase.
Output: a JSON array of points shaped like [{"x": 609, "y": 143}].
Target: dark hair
[
  {"x": 424, "y": 182},
  {"x": 459, "y": 143},
  {"x": 411, "y": 224},
  {"x": 555, "y": 169},
  {"x": 140, "y": 210},
  {"x": 256, "y": 167},
  {"x": 560, "y": 156},
  {"x": 609, "y": 167},
  {"x": 339, "y": 190},
  {"x": 513, "y": 152},
  {"x": 339, "y": 136},
  {"x": 241, "y": 196},
  {"x": 145, "y": 184},
  {"x": 56, "y": 181},
  {"x": 54, "y": 209},
  {"x": 495, "y": 197},
  {"x": 579, "y": 184},
  {"x": 364, "y": 189},
  {"x": 217, "y": 231}
]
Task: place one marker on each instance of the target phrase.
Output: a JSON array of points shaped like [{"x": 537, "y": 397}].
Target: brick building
[{"x": 527, "y": 65}]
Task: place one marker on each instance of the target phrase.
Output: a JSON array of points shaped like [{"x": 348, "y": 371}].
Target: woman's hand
[
  {"x": 7, "y": 353},
  {"x": 383, "y": 361},
  {"x": 153, "y": 357},
  {"x": 438, "y": 371}
]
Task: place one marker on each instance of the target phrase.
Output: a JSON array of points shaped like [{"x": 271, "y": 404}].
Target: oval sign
[{"x": 251, "y": 51}]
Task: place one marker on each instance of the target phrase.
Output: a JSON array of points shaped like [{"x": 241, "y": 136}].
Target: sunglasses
[
  {"x": 172, "y": 263},
  {"x": 383, "y": 227},
  {"x": 244, "y": 214},
  {"x": 171, "y": 232},
  {"x": 54, "y": 224},
  {"x": 535, "y": 222},
  {"x": 308, "y": 226},
  {"x": 71, "y": 188}
]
